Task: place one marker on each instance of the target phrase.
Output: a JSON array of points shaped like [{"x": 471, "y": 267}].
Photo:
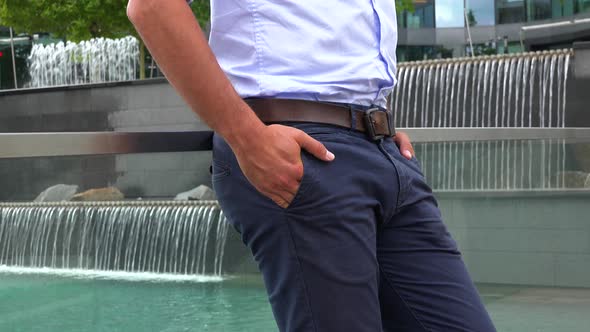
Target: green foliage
[
  {"x": 84, "y": 19},
  {"x": 471, "y": 21},
  {"x": 74, "y": 19},
  {"x": 404, "y": 5},
  {"x": 202, "y": 11},
  {"x": 77, "y": 19},
  {"x": 483, "y": 49}
]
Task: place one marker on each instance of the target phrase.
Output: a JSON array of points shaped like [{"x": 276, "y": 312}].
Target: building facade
[
  {"x": 447, "y": 28},
  {"x": 434, "y": 29}
]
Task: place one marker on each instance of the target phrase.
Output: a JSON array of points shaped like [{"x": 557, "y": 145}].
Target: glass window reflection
[
  {"x": 562, "y": 8},
  {"x": 539, "y": 10},
  {"x": 421, "y": 17},
  {"x": 510, "y": 11},
  {"x": 514, "y": 11},
  {"x": 548, "y": 9},
  {"x": 449, "y": 14},
  {"x": 581, "y": 6},
  {"x": 480, "y": 12}
]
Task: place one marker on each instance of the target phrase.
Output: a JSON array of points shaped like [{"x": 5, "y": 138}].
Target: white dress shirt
[{"x": 325, "y": 50}]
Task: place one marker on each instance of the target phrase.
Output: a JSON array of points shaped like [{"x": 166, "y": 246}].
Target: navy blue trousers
[{"x": 362, "y": 247}]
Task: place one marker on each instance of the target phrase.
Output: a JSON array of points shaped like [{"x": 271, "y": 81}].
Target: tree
[
  {"x": 77, "y": 20},
  {"x": 471, "y": 21},
  {"x": 83, "y": 19},
  {"x": 404, "y": 5},
  {"x": 71, "y": 19}
]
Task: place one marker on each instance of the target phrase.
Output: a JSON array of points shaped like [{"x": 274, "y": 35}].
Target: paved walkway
[{"x": 538, "y": 309}]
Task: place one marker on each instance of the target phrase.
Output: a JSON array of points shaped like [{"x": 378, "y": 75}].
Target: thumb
[
  {"x": 314, "y": 147},
  {"x": 405, "y": 146}
]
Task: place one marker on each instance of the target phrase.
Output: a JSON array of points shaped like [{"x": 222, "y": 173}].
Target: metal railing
[{"x": 22, "y": 145}]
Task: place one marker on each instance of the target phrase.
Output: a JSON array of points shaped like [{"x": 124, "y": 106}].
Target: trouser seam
[
  {"x": 401, "y": 189},
  {"x": 404, "y": 301},
  {"x": 300, "y": 269}
]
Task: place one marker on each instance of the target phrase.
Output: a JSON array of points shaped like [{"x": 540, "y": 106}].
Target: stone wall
[
  {"x": 518, "y": 239},
  {"x": 150, "y": 105},
  {"x": 129, "y": 106},
  {"x": 509, "y": 238},
  {"x": 528, "y": 239}
]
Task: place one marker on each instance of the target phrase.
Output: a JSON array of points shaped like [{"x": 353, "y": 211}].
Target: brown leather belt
[{"x": 376, "y": 122}]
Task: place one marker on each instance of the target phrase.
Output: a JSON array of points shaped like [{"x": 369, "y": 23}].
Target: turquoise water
[{"x": 52, "y": 303}]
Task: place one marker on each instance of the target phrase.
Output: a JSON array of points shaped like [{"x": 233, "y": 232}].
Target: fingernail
[
  {"x": 408, "y": 154},
  {"x": 330, "y": 156}
]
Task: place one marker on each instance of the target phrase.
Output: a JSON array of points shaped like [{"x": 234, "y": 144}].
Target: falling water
[
  {"x": 157, "y": 237},
  {"x": 493, "y": 91},
  {"x": 494, "y": 165},
  {"x": 93, "y": 61}
]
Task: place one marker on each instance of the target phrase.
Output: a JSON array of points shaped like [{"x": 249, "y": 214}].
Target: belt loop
[{"x": 353, "y": 115}]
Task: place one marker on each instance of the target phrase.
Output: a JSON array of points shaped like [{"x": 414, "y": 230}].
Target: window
[
  {"x": 551, "y": 9},
  {"x": 515, "y": 11},
  {"x": 422, "y": 17},
  {"x": 560, "y": 8},
  {"x": 538, "y": 10},
  {"x": 582, "y": 6},
  {"x": 480, "y": 12},
  {"x": 449, "y": 14},
  {"x": 510, "y": 11}
]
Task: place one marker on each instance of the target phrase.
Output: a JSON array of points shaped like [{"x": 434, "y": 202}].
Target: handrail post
[{"x": 13, "y": 58}]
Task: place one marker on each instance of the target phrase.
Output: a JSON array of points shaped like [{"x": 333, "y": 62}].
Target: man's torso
[{"x": 337, "y": 51}]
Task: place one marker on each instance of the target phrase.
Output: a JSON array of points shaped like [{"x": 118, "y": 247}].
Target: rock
[
  {"x": 582, "y": 156},
  {"x": 575, "y": 179},
  {"x": 57, "y": 193},
  {"x": 200, "y": 193},
  {"x": 100, "y": 194}
]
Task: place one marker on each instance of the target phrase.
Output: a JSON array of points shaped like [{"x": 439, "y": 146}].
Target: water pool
[
  {"x": 52, "y": 303},
  {"x": 101, "y": 302}
]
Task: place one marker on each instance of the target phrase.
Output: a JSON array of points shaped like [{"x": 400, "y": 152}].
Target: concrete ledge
[
  {"x": 537, "y": 238},
  {"x": 537, "y": 193},
  {"x": 582, "y": 60},
  {"x": 148, "y": 81}
]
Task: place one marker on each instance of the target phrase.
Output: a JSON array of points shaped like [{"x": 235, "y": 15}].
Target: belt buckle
[{"x": 370, "y": 124}]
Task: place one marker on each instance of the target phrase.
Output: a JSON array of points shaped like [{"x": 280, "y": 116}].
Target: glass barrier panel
[
  {"x": 529, "y": 165},
  {"x": 519, "y": 213},
  {"x": 136, "y": 259}
]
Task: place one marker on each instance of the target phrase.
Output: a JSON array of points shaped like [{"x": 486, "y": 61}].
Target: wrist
[{"x": 243, "y": 131}]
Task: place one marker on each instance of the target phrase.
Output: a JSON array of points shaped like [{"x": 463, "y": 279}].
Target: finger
[
  {"x": 282, "y": 200},
  {"x": 283, "y": 194},
  {"x": 314, "y": 147},
  {"x": 290, "y": 189},
  {"x": 405, "y": 146}
]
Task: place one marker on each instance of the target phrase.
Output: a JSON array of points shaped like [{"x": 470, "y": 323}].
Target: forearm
[{"x": 174, "y": 38}]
